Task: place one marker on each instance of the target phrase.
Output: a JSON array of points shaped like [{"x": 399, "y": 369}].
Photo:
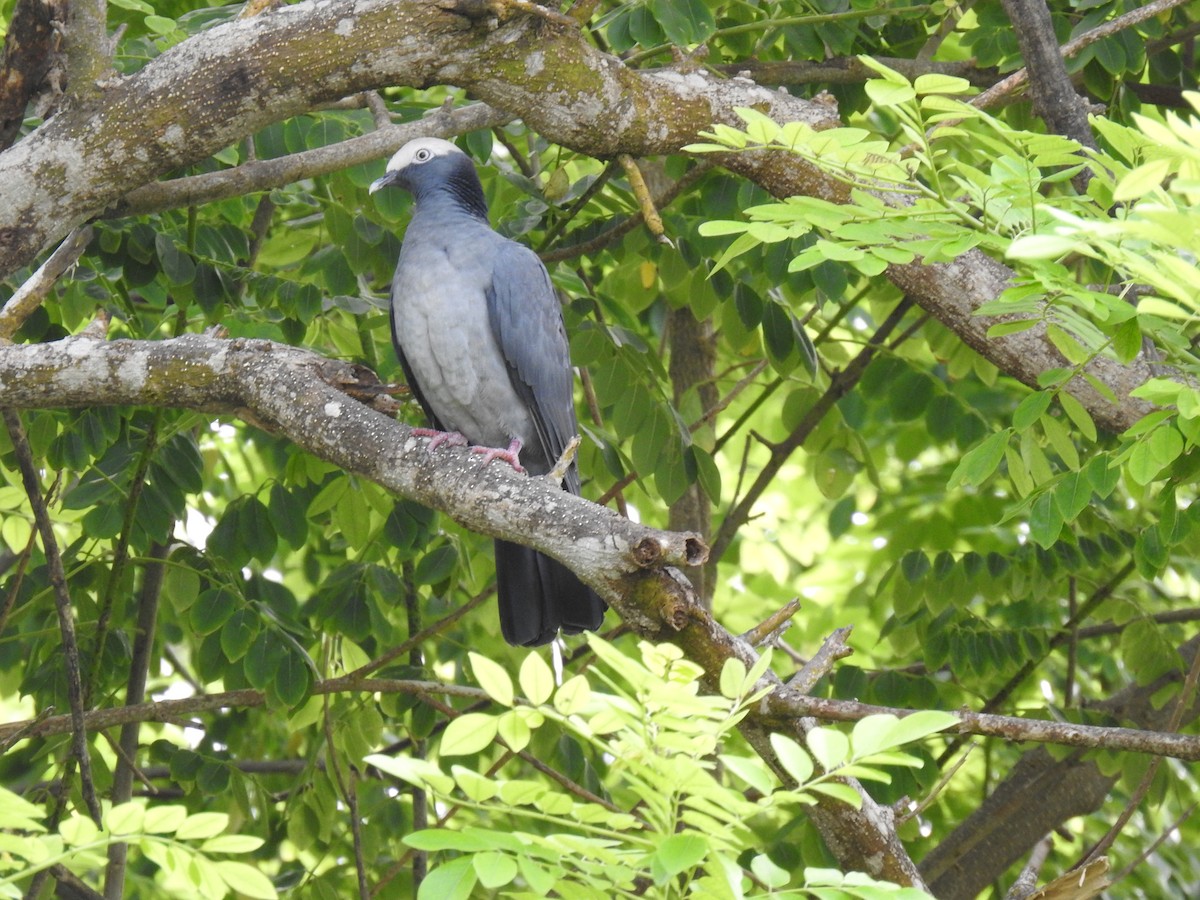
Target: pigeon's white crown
[{"x": 419, "y": 151}]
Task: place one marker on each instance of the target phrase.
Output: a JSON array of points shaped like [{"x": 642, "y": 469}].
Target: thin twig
[
  {"x": 135, "y": 693},
  {"x": 711, "y": 414},
  {"x": 266, "y": 174},
  {"x": 420, "y": 799},
  {"x": 773, "y": 625},
  {"x": 30, "y": 295},
  {"x": 937, "y": 789},
  {"x": 602, "y": 240},
  {"x": 415, "y": 641},
  {"x": 62, "y": 603},
  {"x": 349, "y": 794},
  {"x": 1027, "y": 881},
  {"x": 783, "y": 704},
  {"x": 1182, "y": 703},
  {"x": 1100, "y": 595},
  {"x": 1018, "y": 79},
  {"x": 839, "y": 386},
  {"x": 1158, "y": 841}
]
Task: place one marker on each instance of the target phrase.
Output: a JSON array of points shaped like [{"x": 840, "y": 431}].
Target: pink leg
[
  {"x": 510, "y": 456},
  {"x": 437, "y": 438}
]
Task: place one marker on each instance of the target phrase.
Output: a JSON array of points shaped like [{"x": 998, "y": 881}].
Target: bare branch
[
  {"x": 34, "y": 291},
  {"x": 832, "y": 649},
  {"x": 1018, "y": 79},
  {"x": 263, "y": 175},
  {"x": 62, "y": 603}
]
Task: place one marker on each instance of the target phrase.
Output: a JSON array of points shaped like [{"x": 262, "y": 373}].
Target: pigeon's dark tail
[{"x": 539, "y": 595}]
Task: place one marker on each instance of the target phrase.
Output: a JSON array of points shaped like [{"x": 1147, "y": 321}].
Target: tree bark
[{"x": 232, "y": 80}]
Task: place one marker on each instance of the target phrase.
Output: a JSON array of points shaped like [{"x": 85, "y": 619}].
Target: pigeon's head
[{"x": 429, "y": 166}]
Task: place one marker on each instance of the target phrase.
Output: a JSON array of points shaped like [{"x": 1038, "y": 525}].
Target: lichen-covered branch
[
  {"x": 222, "y": 85},
  {"x": 288, "y": 390}
]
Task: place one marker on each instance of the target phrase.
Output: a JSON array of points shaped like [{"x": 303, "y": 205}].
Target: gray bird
[{"x": 480, "y": 337}]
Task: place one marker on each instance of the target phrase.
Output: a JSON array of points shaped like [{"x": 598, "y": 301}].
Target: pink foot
[
  {"x": 437, "y": 438},
  {"x": 510, "y": 456}
]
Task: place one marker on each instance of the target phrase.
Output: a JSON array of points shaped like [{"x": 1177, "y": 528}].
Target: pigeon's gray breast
[{"x": 441, "y": 320}]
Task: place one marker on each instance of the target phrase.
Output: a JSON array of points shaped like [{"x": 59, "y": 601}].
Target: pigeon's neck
[{"x": 460, "y": 191}]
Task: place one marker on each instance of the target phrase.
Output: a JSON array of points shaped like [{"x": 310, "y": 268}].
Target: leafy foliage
[
  {"x": 679, "y": 815},
  {"x": 179, "y": 845},
  {"x": 989, "y": 544}
]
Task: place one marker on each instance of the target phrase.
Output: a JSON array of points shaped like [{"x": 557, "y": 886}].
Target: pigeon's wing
[{"x": 526, "y": 320}]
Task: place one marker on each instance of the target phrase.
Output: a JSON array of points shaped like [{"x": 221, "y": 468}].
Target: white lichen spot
[
  {"x": 535, "y": 62},
  {"x": 132, "y": 372},
  {"x": 333, "y": 409},
  {"x": 174, "y": 135},
  {"x": 81, "y": 348},
  {"x": 344, "y": 27}
]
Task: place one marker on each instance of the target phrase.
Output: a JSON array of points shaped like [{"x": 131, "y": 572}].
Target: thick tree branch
[
  {"x": 219, "y": 86},
  {"x": 232, "y": 80},
  {"x": 281, "y": 387},
  {"x": 1054, "y": 97}
]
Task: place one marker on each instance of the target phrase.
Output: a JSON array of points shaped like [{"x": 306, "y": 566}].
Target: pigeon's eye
[{"x": 423, "y": 155}]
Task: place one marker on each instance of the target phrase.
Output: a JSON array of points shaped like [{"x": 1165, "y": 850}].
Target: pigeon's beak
[{"x": 387, "y": 179}]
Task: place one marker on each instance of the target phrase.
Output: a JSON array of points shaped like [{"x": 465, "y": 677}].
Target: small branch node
[
  {"x": 832, "y": 649},
  {"x": 649, "y": 211},
  {"x": 648, "y": 552},
  {"x": 559, "y": 472}
]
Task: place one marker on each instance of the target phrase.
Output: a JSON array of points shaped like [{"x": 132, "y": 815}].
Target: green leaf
[
  {"x": 436, "y": 565},
  {"x": 163, "y": 819},
  {"x": 1154, "y": 453},
  {"x": 1060, "y": 440},
  {"x": 888, "y": 93},
  {"x": 1045, "y": 520},
  {"x": 202, "y": 825},
  {"x": 795, "y": 761},
  {"x": 514, "y": 730},
  {"x": 232, "y": 843},
  {"x": 1068, "y": 345},
  {"x": 160, "y": 24},
  {"x": 469, "y": 733},
  {"x": 1077, "y": 414},
  {"x": 420, "y": 772},
  {"x": 213, "y": 609},
  {"x": 239, "y": 633},
  {"x": 1030, "y": 409},
  {"x": 915, "y": 565},
  {"x": 830, "y": 748},
  {"x": 978, "y": 464},
  {"x": 293, "y": 677},
  {"x": 733, "y": 676},
  {"x": 536, "y": 679},
  {"x": 681, "y": 852},
  {"x": 263, "y": 659},
  {"x": 573, "y": 696},
  {"x": 494, "y": 869},
  {"x": 452, "y": 881},
  {"x": 492, "y": 678},
  {"x": 768, "y": 872},
  {"x": 245, "y": 880},
  {"x": 839, "y": 791}
]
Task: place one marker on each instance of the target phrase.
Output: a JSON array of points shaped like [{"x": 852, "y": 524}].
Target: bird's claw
[
  {"x": 437, "y": 438},
  {"x": 510, "y": 455}
]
